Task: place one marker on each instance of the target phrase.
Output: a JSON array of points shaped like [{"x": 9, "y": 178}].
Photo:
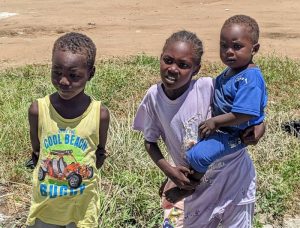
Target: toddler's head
[{"x": 239, "y": 41}]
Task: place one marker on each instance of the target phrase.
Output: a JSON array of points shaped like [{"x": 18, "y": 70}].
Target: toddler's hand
[{"x": 207, "y": 128}]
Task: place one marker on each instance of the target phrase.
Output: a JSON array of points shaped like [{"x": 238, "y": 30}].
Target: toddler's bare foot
[{"x": 176, "y": 194}]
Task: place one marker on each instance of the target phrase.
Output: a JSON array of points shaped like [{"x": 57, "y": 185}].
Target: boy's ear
[
  {"x": 92, "y": 72},
  {"x": 196, "y": 70},
  {"x": 255, "y": 48}
]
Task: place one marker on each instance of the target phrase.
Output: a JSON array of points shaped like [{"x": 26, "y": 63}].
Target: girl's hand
[
  {"x": 179, "y": 175},
  {"x": 207, "y": 128},
  {"x": 252, "y": 135}
]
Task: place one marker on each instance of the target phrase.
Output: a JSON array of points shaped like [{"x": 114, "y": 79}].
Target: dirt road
[{"x": 128, "y": 27}]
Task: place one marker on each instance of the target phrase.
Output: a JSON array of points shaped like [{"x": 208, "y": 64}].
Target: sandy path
[{"x": 121, "y": 28}]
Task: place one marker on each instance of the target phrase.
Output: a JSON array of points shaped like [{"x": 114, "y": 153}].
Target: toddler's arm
[
  {"x": 33, "y": 116},
  {"x": 104, "y": 124},
  {"x": 209, "y": 126},
  {"x": 177, "y": 174}
]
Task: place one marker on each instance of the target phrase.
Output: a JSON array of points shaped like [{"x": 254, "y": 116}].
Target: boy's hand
[
  {"x": 179, "y": 177},
  {"x": 207, "y": 128},
  {"x": 252, "y": 135}
]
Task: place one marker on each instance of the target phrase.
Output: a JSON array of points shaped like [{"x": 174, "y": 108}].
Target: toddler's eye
[
  {"x": 237, "y": 46},
  {"x": 223, "y": 46},
  {"x": 74, "y": 76}
]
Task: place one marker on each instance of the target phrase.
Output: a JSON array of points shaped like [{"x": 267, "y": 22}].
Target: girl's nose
[
  {"x": 173, "y": 69},
  {"x": 64, "y": 81}
]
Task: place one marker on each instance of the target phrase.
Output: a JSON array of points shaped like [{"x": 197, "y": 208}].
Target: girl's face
[
  {"x": 69, "y": 73},
  {"x": 177, "y": 66},
  {"x": 236, "y": 46}
]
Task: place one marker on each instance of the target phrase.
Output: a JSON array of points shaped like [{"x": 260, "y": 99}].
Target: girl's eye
[
  {"x": 183, "y": 66},
  {"x": 167, "y": 60}
]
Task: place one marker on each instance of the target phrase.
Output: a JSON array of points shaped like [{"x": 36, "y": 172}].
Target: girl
[{"x": 173, "y": 110}]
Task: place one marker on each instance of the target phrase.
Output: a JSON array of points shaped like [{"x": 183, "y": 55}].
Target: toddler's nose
[
  {"x": 229, "y": 52},
  {"x": 173, "y": 69}
]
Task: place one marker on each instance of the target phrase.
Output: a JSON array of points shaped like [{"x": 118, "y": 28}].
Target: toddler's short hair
[
  {"x": 246, "y": 21},
  {"x": 188, "y": 37},
  {"x": 77, "y": 43}
]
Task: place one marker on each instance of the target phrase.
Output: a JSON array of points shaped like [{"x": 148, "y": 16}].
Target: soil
[{"x": 122, "y": 28}]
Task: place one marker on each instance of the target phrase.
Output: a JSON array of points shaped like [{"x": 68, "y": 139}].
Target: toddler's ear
[
  {"x": 92, "y": 72},
  {"x": 255, "y": 48}
]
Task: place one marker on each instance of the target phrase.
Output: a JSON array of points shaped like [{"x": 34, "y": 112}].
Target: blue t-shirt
[{"x": 243, "y": 93}]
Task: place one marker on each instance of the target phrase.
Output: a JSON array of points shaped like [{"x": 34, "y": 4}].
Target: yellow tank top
[{"x": 65, "y": 180}]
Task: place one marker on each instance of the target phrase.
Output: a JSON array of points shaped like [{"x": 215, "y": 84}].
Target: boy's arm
[
  {"x": 33, "y": 116},
  {"x": 104, "y": 124},
  {"x": 209, "y": 126},
  {"x": 177, "y": 174}
]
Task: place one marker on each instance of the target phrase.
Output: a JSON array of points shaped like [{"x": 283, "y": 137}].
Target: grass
[{"x": 129, "y": 179}]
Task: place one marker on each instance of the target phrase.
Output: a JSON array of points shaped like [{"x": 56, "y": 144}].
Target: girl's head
[
  {"x": 179, "y": 62},
  {"x": 239, "y": 41},
  {"x": 73, "y": 59}
]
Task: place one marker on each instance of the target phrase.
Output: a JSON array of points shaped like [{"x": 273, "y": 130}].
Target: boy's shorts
[
  {"x": 207, "y": 150},
  {"x": 240, "y": 216},
  {"x": 40, "y": 224}
]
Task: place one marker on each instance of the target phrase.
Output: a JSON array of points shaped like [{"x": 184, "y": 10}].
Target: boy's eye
[
  {"x": 167, "y": 60},
  {"x": 56, "y": 72}
]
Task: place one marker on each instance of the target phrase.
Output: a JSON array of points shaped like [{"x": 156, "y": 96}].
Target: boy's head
[
  {"x": 179, "y": 62},
  {"x": 73, "y": 59},
  {"x": 77, "y": 43},
  {"x": 239, "y": 41}
]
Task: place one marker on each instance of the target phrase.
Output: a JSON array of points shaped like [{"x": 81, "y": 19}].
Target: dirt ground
[{"x": 129, "y": 27}]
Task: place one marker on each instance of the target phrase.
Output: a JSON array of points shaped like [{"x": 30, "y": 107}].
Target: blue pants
[{"x": 207, "y": 150}]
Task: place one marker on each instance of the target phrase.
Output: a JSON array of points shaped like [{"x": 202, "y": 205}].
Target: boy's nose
[{"x": 64, "y": 81}]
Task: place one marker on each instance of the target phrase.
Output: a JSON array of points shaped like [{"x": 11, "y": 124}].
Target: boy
[{"x": 68, "y": 132}]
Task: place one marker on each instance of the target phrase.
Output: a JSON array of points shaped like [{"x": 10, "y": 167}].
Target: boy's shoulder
[{"x": 204, "y": 82}]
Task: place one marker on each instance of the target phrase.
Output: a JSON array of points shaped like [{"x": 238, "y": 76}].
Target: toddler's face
[
  {"x": 69, "y": 73},
  {"x": 177, "y": 66},
  {"x": 236, "y": 46}
]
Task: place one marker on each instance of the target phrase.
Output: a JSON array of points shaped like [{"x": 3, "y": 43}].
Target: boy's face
[
  {"x": 69, "y": 73},
  {"x": 236, "y": 46},
  {"x": 177, "y": 66}
]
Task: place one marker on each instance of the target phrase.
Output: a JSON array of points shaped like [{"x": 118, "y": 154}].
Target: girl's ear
[
  {"x": 92, "y": 73},
  {"x": 196, "y": 71},
  {"x": 255, "y": 48}
]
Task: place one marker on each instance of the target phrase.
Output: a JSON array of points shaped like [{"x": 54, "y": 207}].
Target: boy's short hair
[
  {"x": 77, "y": 43},
  {"x": 246, "y": 21},
  {"x": 188, "y": 37}
]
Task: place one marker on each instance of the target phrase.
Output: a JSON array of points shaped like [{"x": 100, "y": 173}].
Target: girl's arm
[
  {"x": 209, "y": 126},
  {"x": 33, "y": 116},
  {"x": 252, "y": 135},
  {"x": 104, "y": 124},
  {"x": 177, "y": 174}
]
